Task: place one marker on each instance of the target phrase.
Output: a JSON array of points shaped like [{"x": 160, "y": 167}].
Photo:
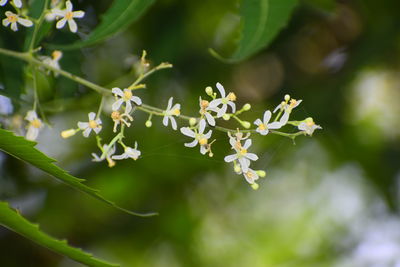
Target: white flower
[
  {"x": 308, "y": 126},
  {"x": 241, "y": 154},
  {"x": 171, "y": 111},
  {"x": 53, "y": 60},
  {"x": 129, "y": 152},
  {"x": 264, "y": 125},
  {"x": 67, "y": 15},
  {"x": 199, "y": 137},
  {"x": 13, "y": 19},
  {"x": 105, "y": 156},
  {"x": 224, "y": 101},
  {"x": 17, "y": 3},
  {"x": 118, "y": 118},
  {"x": 251, "y": 176},
  {"x": 93, "y": 124},
  {"x": 35, "y": 124},
  {"x": 287, "y": 107},
  {"x": 125, "y": 96},
  {"x": 204, "y": 108}
]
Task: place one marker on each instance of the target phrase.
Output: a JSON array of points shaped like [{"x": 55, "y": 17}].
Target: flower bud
[
  {"x": 226, "y": 117},
  {"x": 287, "y": 97},
  {"x": 261, "y": 173},
  {"x": 68, "y": 133},
  {"x": 255, "y": 186},
  {"x": 247, "y": 107},
  {"x": 237, "y": 169},
  {"x": 209, "y": 91},
  {"x": 148, "y": 123},
  {"x": 192, "y": 121},
  {"x": 246, "y": 124}
]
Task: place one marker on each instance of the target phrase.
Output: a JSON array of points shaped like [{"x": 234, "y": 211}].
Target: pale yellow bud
[
  {"x": 68, "y": 133},
  {"x": 192, "y": 121},
  {"x": 287, "y": 98},
  {"x": 209, "y": 91},
  {"x": 247, "y": 107},
  {"x": 261, "y": 173},
  {"x": 226, "y": 117},
  {"x": 246, "y": 124},
  {"x": 255, "y": 186},
  {"x": 148, "y": 123},
  {"x": 237, "y": 168}
]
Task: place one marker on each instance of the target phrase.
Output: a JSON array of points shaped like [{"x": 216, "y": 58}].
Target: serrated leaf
[
  {"x": 117, "y": 18},
  {"x": 12, "y": 220},
  {"x": 261, "y": 21},
  {"x": 23, "y": 149}
]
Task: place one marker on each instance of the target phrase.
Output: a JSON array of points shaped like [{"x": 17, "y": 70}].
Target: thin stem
[{"x": 37, "y": 27}]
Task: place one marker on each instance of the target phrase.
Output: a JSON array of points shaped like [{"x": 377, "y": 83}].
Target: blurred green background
[{"x": 330, "y": 200}]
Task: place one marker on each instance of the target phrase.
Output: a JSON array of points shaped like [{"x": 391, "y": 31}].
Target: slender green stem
[
  {"x": 145, "y": 75},
  {"x": 104, "y": 91},
  {"x": 37, "y": 27}
]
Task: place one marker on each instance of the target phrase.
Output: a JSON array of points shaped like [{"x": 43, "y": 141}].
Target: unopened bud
[
  {"x": 68, "y": 133},
  {"x": 148, "y": 123},
  {"x": 261, "y": 173},
  {"x": 246, "y": 124},
  {"x": 255, "y": 186},
  {"x": 287, "y": 98},
  {"x": 226, "y": 117},
  {"x": 237, "y": 169},
  {"x": 247, "y": 107},
  {"x": 209, "y": 91},
  {"x": 192, "y": 121}
]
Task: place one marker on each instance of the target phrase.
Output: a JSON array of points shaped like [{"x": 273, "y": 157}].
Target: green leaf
[
  {"x": 261, "y": 22},
  {"x": 117, "y": 18},
  {"x": 12, "y": 220},
  {"x": 23, "y": 149}
]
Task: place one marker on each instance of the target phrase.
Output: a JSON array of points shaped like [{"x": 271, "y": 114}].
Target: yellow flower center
[
  {"x": 243, "y": 151},
  {"x": 293, "y": 102},
  {"x": 127, "y": 95},
  {"x": 69, "y": 15},
  {"x": 231, "y": 96},
  {"x": 204, "y": 104},
  {"x": 56, "y": 55},
  {"x": 93, "y": 124},
  {"x": 262, "y": 127},
  {"x": 36, "y": 123},
  {"x": 176, "y": 112},
  {"x": 203, "y": 141},
  {"x": 310, "y": 123},
  {"x": 249, "y": 174},
  {"x": 12, "y": 18},
  {"x": 115, "y": 115}
]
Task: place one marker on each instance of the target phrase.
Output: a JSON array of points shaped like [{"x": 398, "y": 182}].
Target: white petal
[
  {"x": 122, "y": 156},
  {"x": 57, "y": 12},
  {"x": 232, "y": 141},
  {"x": 97, "y": 129},
  {"x": 284, "y": 119},
  {"x": 83, "y": 125},
  {"x": 214, "y": 103},
  {"x": 208, "y": 135},
  {"x": 136, "y": 100},
  {"x": 222, "y": 111},
  {"x": 173, "y": 123},
  {"x": 277, "y": 108},
  {"x": 128, "y": 107},
  {"x": 31, "y": 115},
  {"x": 18, "y": 3},
  {"x": 202, "y": 126},
  {"x": 188, "y": 132},
  {"x": 61, "y": 23},
  {"x": 92, "y": 116},
  {"x": 14, "y": 26},
  {"x": 6, "y": 22},
  {"x": 79, "y": 14},
  {"x": 233, "y": 106},
  {"x": 244, "y": 164},
  {"x": 96, "y": 158},
  {"x": 68, "y": 6},
  {"x": 257, "y": 122},
  {"x": 203, "y": 150},
  {"x": 117, "y": 91},
  {"x": 32, "y": 133},
  {"x": 170, "y": 103},
  {"x": 247, "y": 144},
  {"x": 274, "y": 125},
  {"x": 252, "y": 156},
  {"x": 210, "y": 119},
  {"x": 221, "y": 89},
  {"x": 165, "y": 120},
  {"x": 72, "y": 25},
  {"x": 117, "y": 104},
  {"x": 230, "y": 158},
  {"x": 267, "y": 116},
  {"x": 25, "y": 22},
  {"x": 192, "y": 144},
  {"x": 87, "y": 131},
  {"x": 3, "y": 2}
]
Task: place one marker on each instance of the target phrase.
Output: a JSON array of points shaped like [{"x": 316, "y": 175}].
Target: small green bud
[
  {"x": 247, "y": 107},
  {"x": 209, "y": 91},
  {"x": 226, "y": 117},
  {"x": 309, "y": 120},
  {"x": 287, "y": 98},
  {"x": 68, "y": 133},
  {"x": 246, "y": 124},
  {"x": 148, "y": 123},
  {"x": 255, "y": 186},
  {"x": 261, "y": 173},
  {"x": 237, "y": 168},
  {"x": 192, "y": 121}
]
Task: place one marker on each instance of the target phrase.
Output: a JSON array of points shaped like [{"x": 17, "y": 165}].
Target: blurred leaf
[
  {"x": 23, "y": 149},
  {"x": 12, "y": 220},
  {"x": 261, "y": 22},
  {"x": 118, "y": 17},
  {"x": 327, "y": 5}
]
